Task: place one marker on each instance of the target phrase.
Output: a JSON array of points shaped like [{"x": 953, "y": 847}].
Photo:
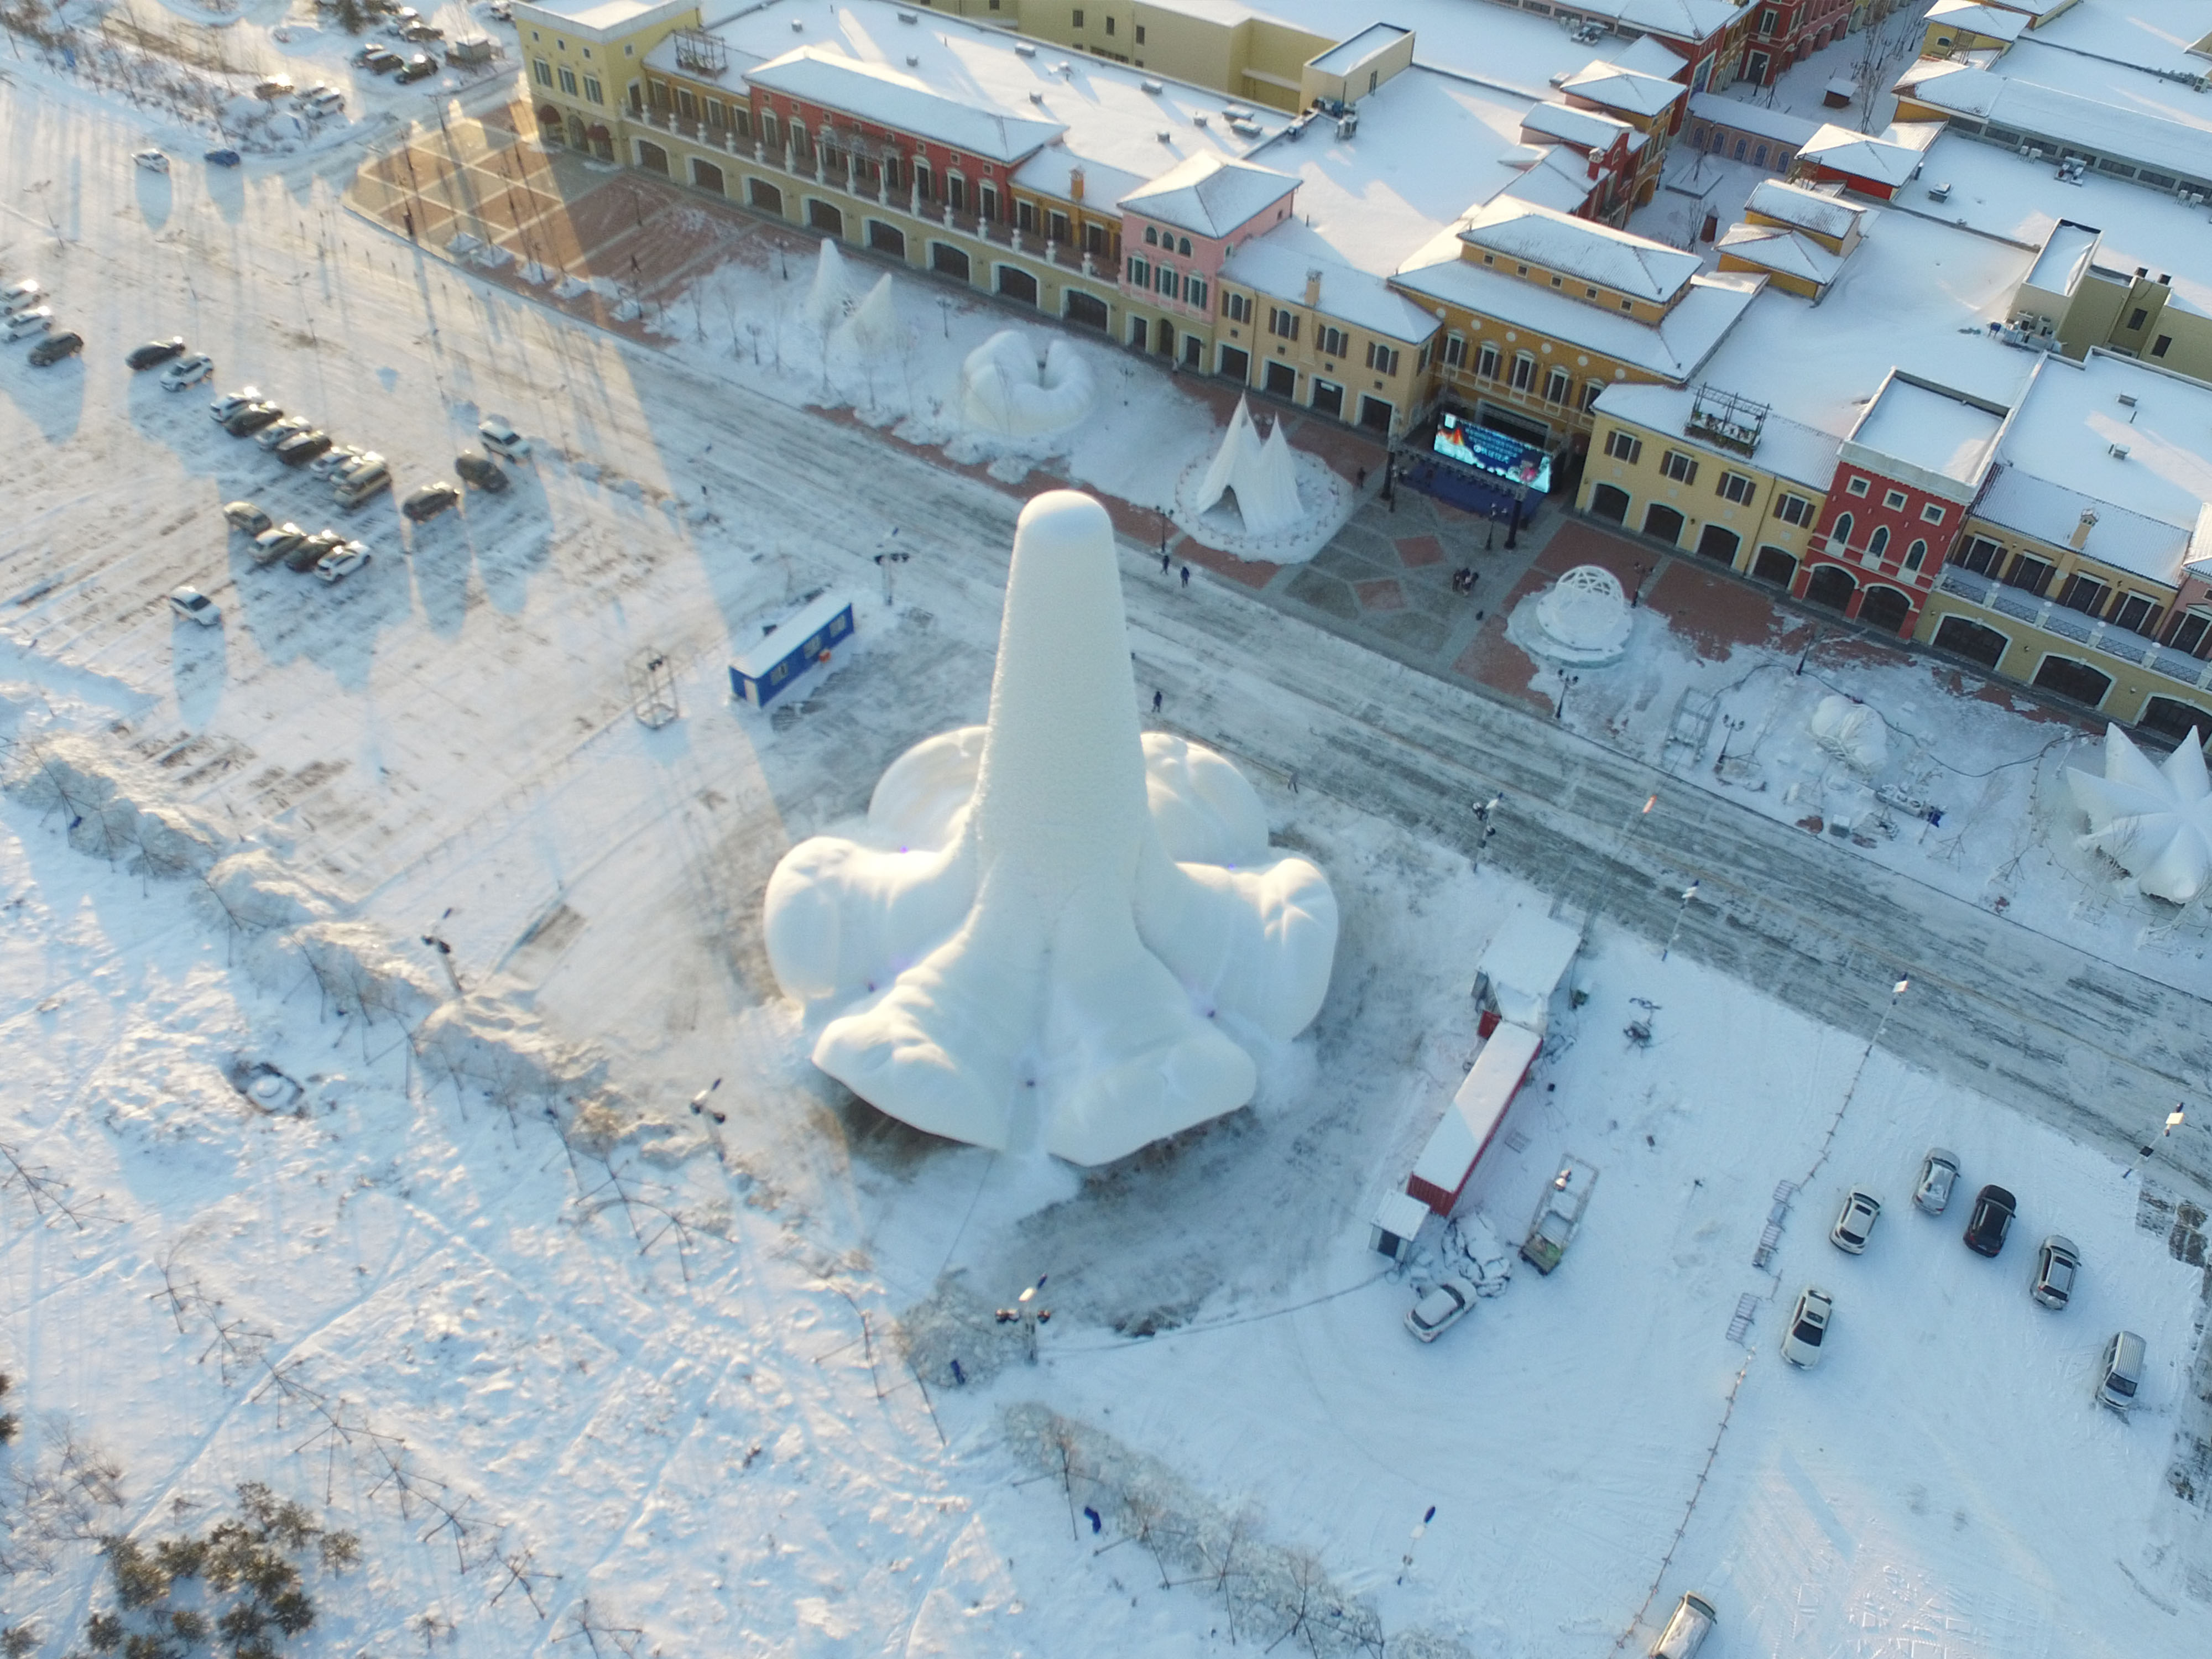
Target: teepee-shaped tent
[
  {"x": 826, "y": 300},
  {"x": 2153, "y": 821},
  {"x": 1263, "y": 476},
  {"x": 875, "y": 324}
]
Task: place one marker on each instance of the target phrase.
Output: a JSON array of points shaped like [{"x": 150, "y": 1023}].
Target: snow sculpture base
[
  {"x": 1326, "y": 501},
  {"x": 1582, "y": 620},
  {"x": 2153, "y": 821},
  {"x": 1005, "y": 389},
  {"x": 1054, "y": 931}
]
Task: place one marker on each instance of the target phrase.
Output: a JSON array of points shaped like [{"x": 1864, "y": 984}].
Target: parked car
[
  {"x": 277, "y": 432},
  {"x": 362, "y": 53},
  {"x": 422, "y": 31},
  {"x": 309, "y": 553},
  {"x": 18, "y": 296},
  {"x": 302, "y": 447},
  {"x": 2120, "y": 1373},
  {"x": 355, "y": 484},
  {"x": 275, "y": 87},
  {"x": 382, "y": 60},
  {"x": 501, "y": 439},
  {"x": 342, "y": 561},
  {"x": 428, "y": 500},
  {"x": 1444, "y": 1305},
  {"x": 54, "y": 347},
  {"x": 1938, "y": 1173},
  {"x": 195, "y": 606},
  {"x": 244, "y": 516},
  {"x": 152, "y": 160},
  {"x": 1862, "y": 1209},
  {"x": 224, "y": 158},
  {"x": 1808, "y": 1328},
  {"x": 2056, "y": 1265},
  {"x": 480, "y": 469},
  {"x": 187, "y": 371},
  {"x": 1994, "y": 1208},
  {"x": 221, "y": 409},
  {"x": 252, "y": 419},
  {"x": 35, "y": 320},
  {"x": 273, "y": 544},
  {"x": 416, "y": 67},
  {"x": 1686, "y": 1631},
  {"x": 336, "y": 459},
  {"x": 155, "y": 353}
]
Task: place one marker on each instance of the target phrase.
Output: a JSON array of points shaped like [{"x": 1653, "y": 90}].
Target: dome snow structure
[
  {"x": 1853, "y": 734},
  {"x": 1054, "y": 931},
  {"x": 1262, "y": 476},
  {"x": 1005, "y": 389},
  {"x": 2153, "y": 820},
  {"x": 1582, "y": 618}
]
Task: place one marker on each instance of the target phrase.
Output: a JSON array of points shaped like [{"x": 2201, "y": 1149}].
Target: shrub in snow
[
  {"x": 1004, "y": 387},
  {"x": 112, "y": 807},
  {"x": 1852, "y": 732},
  {"x": 2153, "y": 821},
  {"x": 1020, "y": 949}
]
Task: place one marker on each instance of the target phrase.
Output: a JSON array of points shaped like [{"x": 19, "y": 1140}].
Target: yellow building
[{"x": 2075, "y": 296}]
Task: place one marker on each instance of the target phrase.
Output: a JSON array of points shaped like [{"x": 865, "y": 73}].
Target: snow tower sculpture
[
  {"x": 1263, "y": 476},
  {"x": 2153, "y": 821},
  {"x": 1055, "y": 932}
]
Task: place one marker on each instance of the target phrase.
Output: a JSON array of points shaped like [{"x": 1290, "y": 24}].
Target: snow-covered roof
[
  {"x": 1914, "y": 427},
  {"x": 2130, "y": 131},
  {"x": 902, "y": 101},
  {"x": 1788, "y": 449},
  {"x": 1554, "y": 177},
  {"x": 1786, "y": 252},
  {"x": 1888, "y": 160},
  {"x": 2153, "y": 34},
  {"x": 1277, "y": 262},
  {"x": 1820, "y": 211},
  {"x": 1211, "y": 195},
  {"x": 1997, "y": 22},
  {"x": 1575, "y": 126},
  {"x": 1646, "y": 55},
  {"x": 1524, "y": 962},
  {"x": 788, "y": 635},
  {"x": 1615, "y": 88},
  {"x": 1617, "y": 260},
  {"x": 599, "y": 17},
  {"x": 2065, "y": 258},
  {"x": 1744, "y": 117},
  {"x": 1347, "y": 55}
]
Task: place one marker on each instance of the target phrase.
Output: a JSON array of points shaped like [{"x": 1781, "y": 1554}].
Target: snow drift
[
  {"x": 1004, "y": 387},
  {"x": 1053, "y": 931},
  {"x": 2153, "y": 821},
  {"x": 1262, "y": 476}
]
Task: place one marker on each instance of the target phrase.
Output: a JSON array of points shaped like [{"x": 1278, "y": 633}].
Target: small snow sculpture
[
  {"x": 1054, "y": 931},
  {"x": 1263, "y": 476},
  {"x": 1581, "y": 618},
  {"x": 2153, "y": 821},
  {"x": 827, "y": 296},
  {"x": 875, "y": 326},
  {"x": 1853, "y": 734},
  {"x": 1005, "y": 389}
]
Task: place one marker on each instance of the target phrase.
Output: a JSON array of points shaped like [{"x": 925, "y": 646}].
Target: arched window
[
  {"x": 1152, "y": 237},
  {"x": 1915, "y": 554},
  {"x": 1183, "y": 246},
  {"x": 1878, "y": 544},
  {"x": 1841, "y": 535}
]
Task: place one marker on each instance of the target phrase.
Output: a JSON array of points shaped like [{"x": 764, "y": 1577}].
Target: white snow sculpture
[
  {"x": 1583, "y": 617},
  {"x": 875, "y": 325},
  {"x": 1853, "y": 734},
  {"x": 1263, "y": 476},
  {"x": 1054, "y": 932},
  {"x": 2153, "y": 821},
  {"x": 1005, "y": 389},
  {"x": 826, "y": 297}
]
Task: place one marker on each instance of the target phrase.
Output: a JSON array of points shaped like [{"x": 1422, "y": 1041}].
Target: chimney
[
  {"x": 2079, "y": 539},
  {"x": 1075, "y": 183},
  {"x": 1313, "y": 288}
]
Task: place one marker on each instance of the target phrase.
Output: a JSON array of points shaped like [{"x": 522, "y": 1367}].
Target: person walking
[
  {"x": 1185, "y": 575},
  {"x": 1155, "y": 700},
  {"x": 1166, "y": 564}
]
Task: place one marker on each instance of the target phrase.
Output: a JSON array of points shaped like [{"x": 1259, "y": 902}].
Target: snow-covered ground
[{"x": 657, "y": 1353}]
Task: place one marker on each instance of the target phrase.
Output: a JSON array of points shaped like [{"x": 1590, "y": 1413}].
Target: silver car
[
  {"x": 2056, "y": 1265},
  {"x": 1686, "y": 1631},
  {"x": 2120, "y": 1373},
  {"x": 1808, "y": 1328},
  {"x": 1444, "y": 1305},
  {"x": 1862, "y": 1209},
  {"x": 1938, "y": 1173}
]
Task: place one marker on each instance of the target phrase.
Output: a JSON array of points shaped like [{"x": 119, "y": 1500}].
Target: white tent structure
[
  {"x": 1853, "y": 734},
  {"x": 1054, "y": 931},
  {"x": 1004, "y": 388},
  {"x": 2154, "y": 821},
  {"x": 1263, "y": 476},
  {"x": 826, "y": 295}
]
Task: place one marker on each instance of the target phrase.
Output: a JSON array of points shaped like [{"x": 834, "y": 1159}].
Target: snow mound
[
  {"x": 1261, "y": 477},
  {"x": 1017, "y": 949},
  {"x": 874, "y": 329},
  {"x": 114, "y": 806},
  {"x": 2153, "y": 821},
  {"x": 826, "y": 298},
  {"x": 1004, "y": 388},
  {"x": 1851, "y": 732}
]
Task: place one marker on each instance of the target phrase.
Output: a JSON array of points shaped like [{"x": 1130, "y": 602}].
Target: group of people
[{"x": 1463, "y": 579}]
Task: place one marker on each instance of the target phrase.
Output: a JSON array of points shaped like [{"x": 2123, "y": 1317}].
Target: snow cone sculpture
[{"x": 1054, "y": 931}]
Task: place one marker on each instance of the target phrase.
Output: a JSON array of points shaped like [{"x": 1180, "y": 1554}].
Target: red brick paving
[
  {"x": 1382, "y": 594},
  {"x": 1414, "y": 551},
  {"x": 1248, "y": 573}
]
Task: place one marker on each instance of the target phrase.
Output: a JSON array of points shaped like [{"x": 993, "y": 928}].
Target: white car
[
  {"x": 1938, "y": 1173},
  {"x": 36, "y": 320},
  {"x": 17, "y": 297},
  {"x": 187, "y": 371},
  {"x": 196, "y": 606},
  {"x": 502, "y": 439},
  {"x": 152, "y": 160},
  {"x": 231, "y": 402},
  {"x": 276, "y": 431},
  {"x": 336, "y": 459},
  {"x": 1808, "y": 1328},
  {"x": 342, "y": 561},
  {"x": 1862, "y": 1209},
  {"x": 1441, "y": 1306}
]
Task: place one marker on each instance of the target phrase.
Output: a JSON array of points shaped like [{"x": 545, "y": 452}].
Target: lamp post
[
  {"x": 2174, "y": 1120},
  {"x": 1028, "y": 1313}
]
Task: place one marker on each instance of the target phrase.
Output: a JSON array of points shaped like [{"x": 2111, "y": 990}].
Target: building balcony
[{"x": 2022, "y": 605}]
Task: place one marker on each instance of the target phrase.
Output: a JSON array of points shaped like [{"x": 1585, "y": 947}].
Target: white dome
[{"x": 1583, "y": 617}]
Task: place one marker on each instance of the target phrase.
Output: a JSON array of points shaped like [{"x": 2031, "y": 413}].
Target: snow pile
[
  {"x": 113, "y": 810},
  {"x": 1262, "y": 477},
  {"x": 827, "y": 298},
  {"x": 1471, "y": 1250},
  {"x": 2153, "y": 821},
  {"x": 1014, "y": 951},
  {"x": 1583, "y": 619},
  {"x": 1006, "y": 388},
  {"x": 874, "y": 329},
  {"x": 1851, "y": 732}
]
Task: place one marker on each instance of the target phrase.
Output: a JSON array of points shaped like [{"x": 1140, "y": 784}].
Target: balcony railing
[{"x": 2082, "y": 629}]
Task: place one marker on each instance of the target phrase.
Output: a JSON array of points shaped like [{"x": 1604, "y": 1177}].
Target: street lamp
[
  {"x": 1028, "y": 1313},
  {"x": 1565, "y": 681}
]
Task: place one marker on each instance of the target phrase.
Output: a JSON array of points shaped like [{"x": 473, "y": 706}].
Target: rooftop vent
[
  {"x": 1063, "y": 67},
  {"x": 1024, "y": 51},
  {"x": 1151, "y": 86},
  {"x": 908, "y": 17},
  {"x": 1037, "y": 98},
  {"x": 2127, "y": 400},
  {"x": 1198, "y": 120},
  {"x": 913, "y": 59},
  {"x": 797, "y": 25},
  {"x": 1165, "y": 136},
  {"x": 2118, "y": 451}
]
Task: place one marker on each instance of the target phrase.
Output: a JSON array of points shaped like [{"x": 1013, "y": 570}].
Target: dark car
[
  {"x": 480, "y": 469},
  {"x": 224, "y": 158},
  {"x": 302, "y": 447},
  {"x": 252, "y": 419},
  {"x": 382, "y": 61},
  {"x": 429, "y": 501},
  {"x": 417, "y": 67},
  {"x": 155, "y": 353},
  {"x": 1993, "y": 1212},
  {"x": 54, "y": 347},
  {"x": 309, "y": 553}
]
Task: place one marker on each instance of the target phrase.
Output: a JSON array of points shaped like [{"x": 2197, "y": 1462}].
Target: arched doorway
[
  {"x": 706, "y": 175},
  {"x": 550, "y": 123},
  {"x": 1664, "y": 522},
  {"x": 1773, "y": 565},
  {"x": 1971, "y": 641},
  {"x": 1830, "y": 586},
  {"x": 652, "y": 157},
  {"x": 1886, "y": 607},
  {"x": 578, "y": 139},
  {"x": 602, "y": 143},
  {"x": 1714, "y": 542},
  {"x": 1609, "y": 501},
  {"x": 2074, "y": 679}
]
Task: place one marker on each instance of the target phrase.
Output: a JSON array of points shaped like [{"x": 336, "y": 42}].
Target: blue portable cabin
[{"x": 790, "y": 647}]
